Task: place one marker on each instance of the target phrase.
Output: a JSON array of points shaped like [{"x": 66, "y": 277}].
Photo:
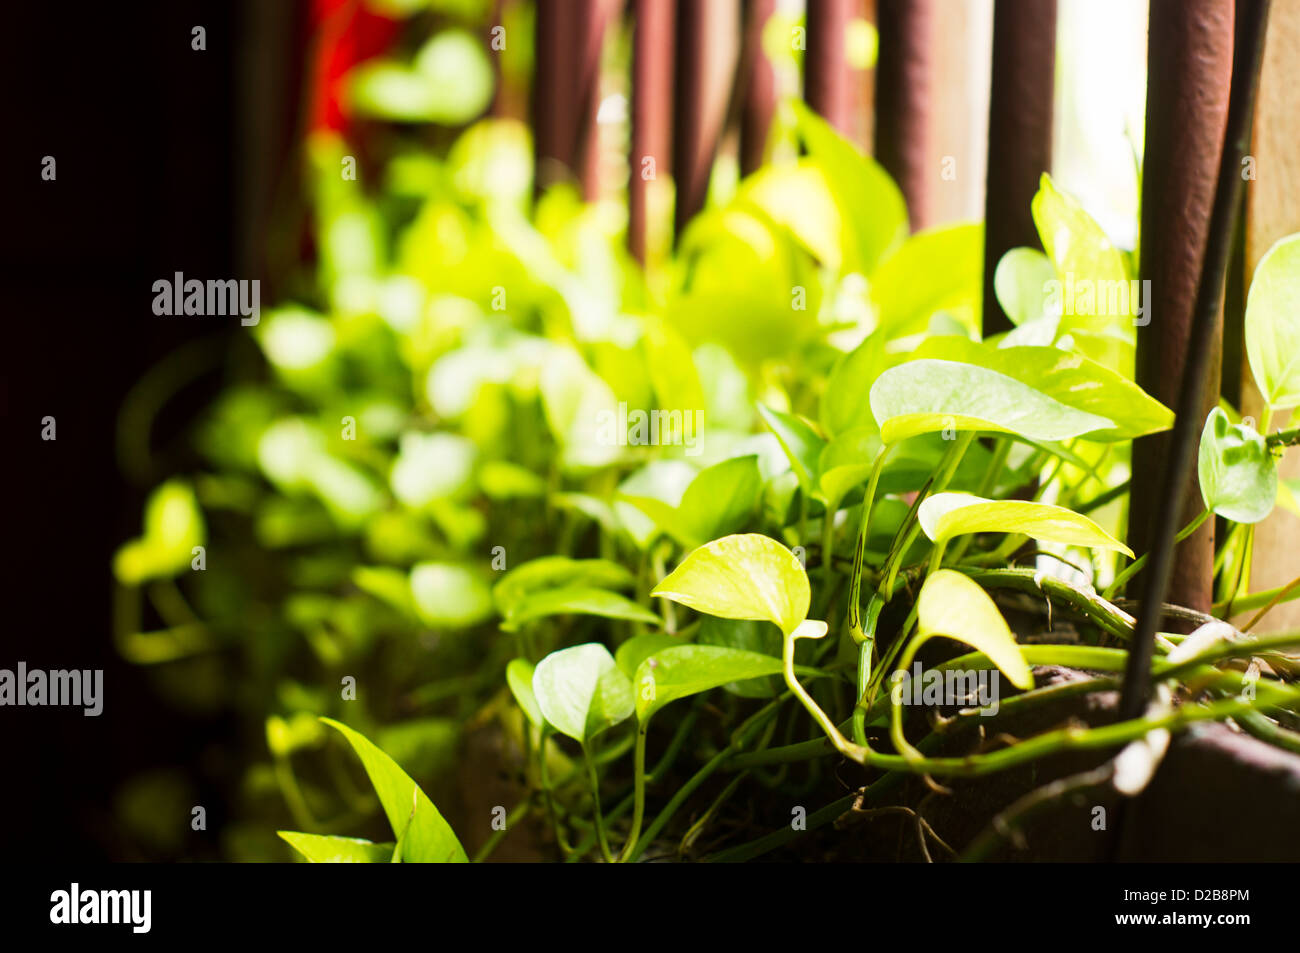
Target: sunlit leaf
[
  {"x": 449, "y": 595},
  {"x": 945, "y": 515},
  {"x": 927, "y": 396},
  {"x": 581, "y": 691},
  {"x": 689, "y": 669},
  {"x": 1237, "y": 472},
  {"x": 954, "y": 606},
  {"x": 1070, "y": 379},
  {"x": 748, "y": 576},
  {"x": 1021, "y": 283},
  {"x": 846, "y": 402},
  {"x": 324, "y": 849},
  {"x": 799, "y": 441},
  {"x": 173, "y": 526},
  {"x": 519, "y": 676},
  {"x": 427, "y": 838},
  {"x": 908, "y": 289},
  {"x": 1273, "y": 324}
]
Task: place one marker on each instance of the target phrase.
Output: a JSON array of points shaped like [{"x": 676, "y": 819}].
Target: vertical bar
[
  {"x": 904, "y": 101},
  {"x": 706, "y": 48},
  {"x": 827, "y": 79},
  {"x": 1020, "y": 133},
  {"x": 1251, "y": 18},
  {"x": 759, "y": 97},
  {"x": 1189, "y": 73},
  {"x": 1272, "y": 212},
  {"x": 569, "y": 34},
  {"x": 652, "y": 98}
]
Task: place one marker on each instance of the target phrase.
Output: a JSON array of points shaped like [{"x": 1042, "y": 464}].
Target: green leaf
[
  {"x": 799, "y": 441},
  {"x": 1237, "y": 472},
  {"x": 1066, "y": 377},
  {"x": 664, "y": 480},
  {"x": 519, "y": 676},
  {"x": 945, "y": 515},
  {"x": 573, "y": 600},
  {"x": 748, "y": 635},
  {"x": 1273, "y": 324},
  {"x": 1021, "y": 284},
  {"x": 1080, "y": 250},
  {"x": 908, "y": 289},
  {"x": 639, "y": 648},
  {"x": 925, "y": 396},
  {"x": 324, "y": 849},
  {"x": 450, "y": 83},
  {"x": 719, "y": 500},
  {"x": 748, "y": 576},
  {"x": 173, "y": 526},
  {"x": 689, "y": 669},
  {"x": 388, "y": 585},
  {"x": 427, "y": 837},
  {"x": 581, "y": 691},
  {"x": 553, "y": 572},
  {"x": 955, "y": 607},
  {"x": 847, "y": 461},
  {"x": 871, "y": 206},
  {"x": 449, "y": 596},
  {"x": 846, "y": 402}
]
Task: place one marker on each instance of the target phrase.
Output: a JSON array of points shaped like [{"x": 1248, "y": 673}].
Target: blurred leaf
[
  {"x": 554, "y": 572},
  {"x": 576, "y": 601},
  {"x": 1273, "y": 324},
  {"x": 519, "y": 676},
  {"x": 846, "y": 402},
  {"x": 173, "y": 526},
  {"x": 1021, "y": 283},
  {"x": 450, "y": 83},
  {"x": 449, "y": 596},
  {"x": 908, "y": 289},
  {"x": 799, "y": 441},
  {"x": 719, "y": 500}
]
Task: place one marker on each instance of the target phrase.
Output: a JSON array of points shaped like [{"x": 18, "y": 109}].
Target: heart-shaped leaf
[
  {"x": 1069, "y": 378},
  {"x": 1273, "y": 324},
  {"x": 747, "y": 576},
  {"x": 426, "y": 837},
  {"x": 325, "y": 849},
  {"x": 927, "y": 396},
  {"x": 448, "y": 595},
  {"x": 1237, "y": 472},
  {"x": 173, "y": 526},
  {"x": 954, "y": 606},
  {"x": 689, "y": 669},
  {"x": 581, "y": 691},
  {"x": 945, "y": 515}
]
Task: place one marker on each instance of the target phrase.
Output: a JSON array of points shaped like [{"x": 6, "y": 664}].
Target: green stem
[
  {"x": 1138, "y": 563},
  {"x": 595, "y": 799},
  {"x": 638, "y": 804}
]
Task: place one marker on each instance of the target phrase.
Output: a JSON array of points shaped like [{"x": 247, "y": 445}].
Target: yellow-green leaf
[{"x": 946, "y": 515}]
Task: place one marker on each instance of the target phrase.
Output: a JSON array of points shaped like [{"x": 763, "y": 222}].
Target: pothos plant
[{"x": 842, "y": 469}]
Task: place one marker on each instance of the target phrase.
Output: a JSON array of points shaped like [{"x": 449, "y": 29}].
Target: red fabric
[{"x": 345, "y": 33}]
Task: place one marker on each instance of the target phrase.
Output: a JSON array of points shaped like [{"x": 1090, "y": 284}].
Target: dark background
[{"x": 167, "y": 160}]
